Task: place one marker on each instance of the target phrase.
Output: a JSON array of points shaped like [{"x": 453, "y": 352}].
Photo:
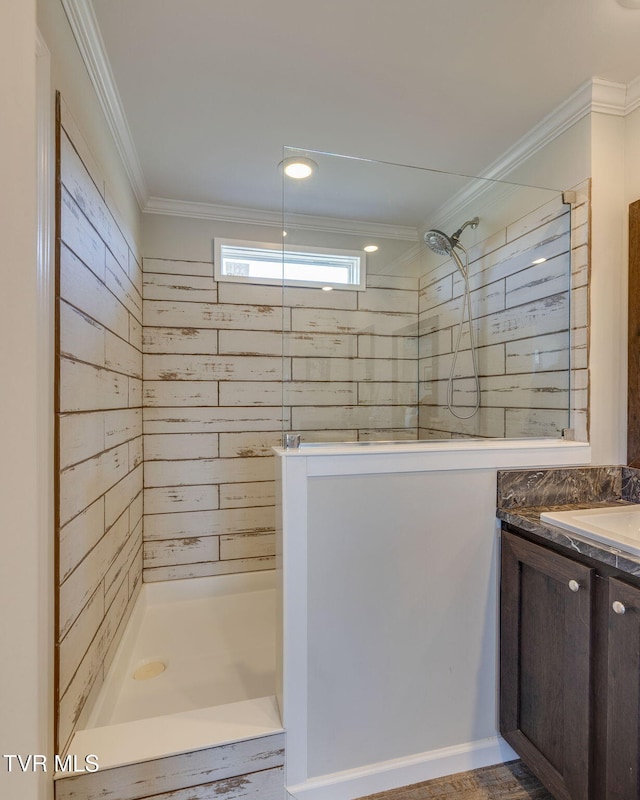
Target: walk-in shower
[
  {"x": 445, "y": 336},
  {"x": 442, "y": 244}
]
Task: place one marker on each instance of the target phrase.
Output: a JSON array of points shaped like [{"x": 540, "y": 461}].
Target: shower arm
[{"x": 472, "y": 222}]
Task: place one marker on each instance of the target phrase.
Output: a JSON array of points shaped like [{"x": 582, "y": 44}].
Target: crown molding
[
  {"x": 633, "y": 95},
  {"x": 608, "y": 97},
  {"x": 253, "y": 216},
  {"x": 211, "y": 211},
  {"x": 593, "y": 96},
  {"x": 87, "y": 35}
]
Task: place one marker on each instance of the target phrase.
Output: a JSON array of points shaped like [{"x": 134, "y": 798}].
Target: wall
[
  {"x": 604, "y": 146},
  {"x": 99, "y": 428},
  {"x": 601, "y": 146},
  {"x": 522, "y": 318},
  {"x": 396, "y": 589},
  {"x": 349, "y": 366},
  {"x": 608, "y": 287},
  {"x": 632, "y": 157},
  {"x": 98, "y": 338},
  {"x": 213, "y": 392},
  {"x": 561, "y": 163},
  {"x": 389, "y": 611},
  {"x": 208, "y": 471},
  {"x": 25, "y": 679},
  {"x": 353, "y": 361},
  {"x": 616, "y": 168}
]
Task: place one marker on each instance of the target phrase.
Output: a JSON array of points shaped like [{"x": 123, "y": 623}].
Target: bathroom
[{"x": 598, "y": 146}]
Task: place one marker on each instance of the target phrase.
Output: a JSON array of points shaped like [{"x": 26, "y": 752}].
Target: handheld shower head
[
  {"x": 445, "y": 245},
  {"x": 439, "y": 242},
  {"x": 442, "y": 244}
]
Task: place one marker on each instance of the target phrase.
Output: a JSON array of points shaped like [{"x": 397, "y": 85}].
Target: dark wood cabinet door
[
  {"x": 545, "y": 675},
  {"x": 623, "y": 692}
]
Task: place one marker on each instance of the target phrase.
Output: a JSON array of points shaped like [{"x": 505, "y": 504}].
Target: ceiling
[{"x": 212, "y": 89}]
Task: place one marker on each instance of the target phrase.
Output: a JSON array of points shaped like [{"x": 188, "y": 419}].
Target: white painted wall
[
  {"x": 402, "y": 586},
  {"x": 25, "y": 666},
  {"x": 562, "y": 163},
  {"x": 608, "y": 291},
  {"x": 177, "y": 238},
  {"x": 174, "y": 237},
  {"x": 389, "y": 585},
  {"x": 632, "y": 157}
]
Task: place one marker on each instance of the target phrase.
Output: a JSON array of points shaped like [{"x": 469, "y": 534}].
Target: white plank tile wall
[
  {"x": 524, "y": 314},
  {"x": 215, "y": 359},
  {"x": 197, "y": 389},
  {"x": 99, "y": 418},
  {"x": 247, "y": 769}
]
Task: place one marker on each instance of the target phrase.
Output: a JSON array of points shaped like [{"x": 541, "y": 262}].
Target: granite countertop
[
  {"x": 528, "y": 518},
  {"x": 524, "y": 494}
]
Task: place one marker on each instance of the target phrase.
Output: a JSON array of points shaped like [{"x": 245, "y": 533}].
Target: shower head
[
  {"x": 439, "y": 242},
  {"x": 442, "y": 244}
]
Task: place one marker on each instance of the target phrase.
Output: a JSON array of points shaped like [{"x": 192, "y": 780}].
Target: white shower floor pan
[{"x": 209, "y": 646}]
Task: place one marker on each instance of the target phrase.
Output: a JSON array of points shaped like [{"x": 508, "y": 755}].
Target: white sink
[{"x": 618, "y": 526}]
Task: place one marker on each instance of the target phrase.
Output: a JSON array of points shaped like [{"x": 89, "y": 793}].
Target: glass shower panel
[{"x": 405, "y": 319}]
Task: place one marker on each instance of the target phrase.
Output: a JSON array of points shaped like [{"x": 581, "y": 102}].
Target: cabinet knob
[
  {"x": 618, "y": 607},
  {"x": 574, "y": 585}
]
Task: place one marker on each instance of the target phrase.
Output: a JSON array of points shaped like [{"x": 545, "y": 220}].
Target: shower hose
[{"x": 466, "y": 306}]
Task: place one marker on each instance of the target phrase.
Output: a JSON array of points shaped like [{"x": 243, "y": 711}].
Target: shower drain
[{"x": 150, "y": 670}]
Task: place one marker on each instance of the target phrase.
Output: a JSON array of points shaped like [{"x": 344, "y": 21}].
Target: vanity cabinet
[
  {"x": 622, "y": 744},
  {"x": 570, "y": 670}
]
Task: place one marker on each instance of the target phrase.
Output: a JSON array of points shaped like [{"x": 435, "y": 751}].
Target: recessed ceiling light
[
  {"x": 298, "y": 167},
  {"x": 327, "y": 288},
  {"x": 371, "y": 248},
  {"x": 539, "y": 261}
]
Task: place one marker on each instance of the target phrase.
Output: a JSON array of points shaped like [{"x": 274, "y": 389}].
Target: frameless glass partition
[{"x": 421, "y": 305}]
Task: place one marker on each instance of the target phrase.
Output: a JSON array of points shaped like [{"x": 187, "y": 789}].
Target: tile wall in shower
[
  {"x": 522, "y": 314},
  {"x": 209, "y": 474},
  {"x": 99, "y": 428},
  {"x": 365, "y": 389},
  {"x": 213, "y": 397}
]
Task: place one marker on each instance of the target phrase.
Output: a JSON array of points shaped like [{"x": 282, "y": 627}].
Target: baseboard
[{"x": 387, "y": 775}]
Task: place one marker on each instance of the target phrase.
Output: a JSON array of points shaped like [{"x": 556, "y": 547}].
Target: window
[{"x": 262, "y": 262}]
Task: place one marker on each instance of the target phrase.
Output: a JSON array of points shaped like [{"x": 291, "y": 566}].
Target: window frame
[{"x": 220, "y": 242}]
